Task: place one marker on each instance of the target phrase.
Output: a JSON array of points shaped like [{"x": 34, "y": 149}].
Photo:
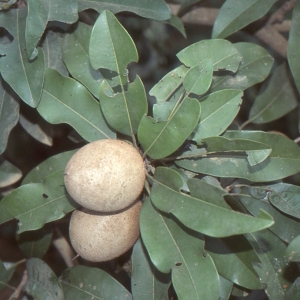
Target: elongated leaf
[
  {"x": 218, "y": 110},
  {"x": 51, "y": 45},
  {"x": 9, "y": 113},
  {"x": 193, "y": 274},
  {"x": 282, "y": 162},
  {"x": 37, "y": 203},
  {"x": 5, "y": 274},
  {"x": 75, "y": 49},
  {"x": 235, "y": 15},
  {"x": 84, "y": 283},
  {"x": 40, "y": 12},
  {"x": 293, "y": 45},
  {"x": 160, "y": 139},
  {"x": 42, "y": 282},
  {"x": 233, "y": 258},
  {"x": 274, "y": 270},
  {"x": 277, "y": 99},
  {"x": 154, "y": 9},
  {"x": 65, "y": 100},
  {"x": 25, "y": 77},
  {"x": 255, "y": 66},
  {"x": 198, "y": 79},
  {"x": 196, "y": 213},
  {"x": 146, "y": 281},
  {"x": 227, "y": 59},
  {"x": 124, "y": 111},
  {"x": 293, "y": 250},
  {"x": 9, "y": 173},
  {"x": 111, "y": 47}
]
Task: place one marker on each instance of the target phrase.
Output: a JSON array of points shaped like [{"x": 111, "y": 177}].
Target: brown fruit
[
  {"x": 105, "y": 176},
  {"x": 98, "y": 237}
]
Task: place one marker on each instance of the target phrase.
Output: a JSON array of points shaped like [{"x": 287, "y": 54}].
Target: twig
[{"x": 20, "y": 287}]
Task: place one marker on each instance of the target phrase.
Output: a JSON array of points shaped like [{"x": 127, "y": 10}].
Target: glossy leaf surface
[
  {"x": 84, "y": 283},
  {"x": 196, "y": 213},
  {"x": 193, "y": 274},
  {"x": 65, "y": 100},
  {"x": 9, "y": 174}
]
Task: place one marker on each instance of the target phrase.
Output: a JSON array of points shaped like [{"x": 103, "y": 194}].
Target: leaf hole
[
  {"x": 178, "y": 264},
  {"x": 45, "y": 196},
  {"x": 5, "y": 36}
]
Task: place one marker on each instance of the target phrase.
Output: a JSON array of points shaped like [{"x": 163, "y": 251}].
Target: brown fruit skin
[
  {"x": 105, "y": 175},
  {"x": 97, "y": 237}
]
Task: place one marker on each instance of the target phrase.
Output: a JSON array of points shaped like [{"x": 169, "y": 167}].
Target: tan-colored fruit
[
  {"x": 105, "y": 176},
  {"x": 97, "y": 237}
]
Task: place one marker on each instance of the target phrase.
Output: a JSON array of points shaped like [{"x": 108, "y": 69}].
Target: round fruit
[
  {"x": 105, "y": 176},
  {"x": 98, "y": 237}
]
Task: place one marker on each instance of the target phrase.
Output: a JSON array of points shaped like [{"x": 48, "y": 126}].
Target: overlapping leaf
[
  {"x": 40, "y": 12},
  {"x": 84, "y": 283},
  {"x": 277, "y": 99},
  {"x": 234, "y": 15},
  {"x": 196, "y": 213},
  {"x": 154, "y": 9},
  {"x": 227, "y": 59},
  {"x": 255, "y": 66},
  {"x": 9, "y": 174},
  {"x": 193, "y": 273},
  {"x": 293, "y": 250},
  {"x": 283, "y": 161},
  {"x": 25, "y": 77},
  {"x": 5, "y": 274},
  {"x": 37, "y": 203},
  {"x": 146, "y": 281},
  {"x": 65, "y": 100}
]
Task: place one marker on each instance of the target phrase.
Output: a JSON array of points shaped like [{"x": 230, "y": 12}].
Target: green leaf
[
  {"x": 282, "y": 162},
  {"x": 146, "y": 281},
  {"x": 294, "y": 291},
  {"x": 65, "y": 100},
  {"x": 37, "y": 203},
  {"x": 198, "y": 79},
  {"x": 160, "y": 139},
  {"x": 111, "y": 47},
  {"x": 276, "y": 99},
  {"x": 196, "y": 213},
  {"x": 9, "y": 113},
  {"x": 40, "y": 12},
  {"x": 5, "y": 274},
  {"x": 233, "y": 257},
  {"x": 51, "y": 45},
  {"x": 293, "y": 250},
  {"x": 75, "y": 49},
  {"x": 25, "y": 77},
  {"x": 193, "y": 272},
  {"x": 293, "y": 45},
  {"x": 35, "y": 243},
  {"x": 227, "y": 59},
  {"x": 9, "y": 174},
  {"x": 255, "y": 66},
  {"x": 52, "y": 164},
  {"x": 235, "y": 15},
  {"x": 42, "y": 283},
  {"x": 7, "y": 4},
  {"x": 226, "y": 288},
  {"x": 177, "y": 23},
  {"x": 218, "y": 110},
  {"x": 84, "y": 283},
  {"x": 124, "y": 111},
  {"x": 154, "y": 9}
]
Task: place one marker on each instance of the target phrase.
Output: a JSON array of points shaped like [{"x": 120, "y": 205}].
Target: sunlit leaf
[
  {"x": 146, "y": 281},
  {"x": 42, "y": 282},
  {"x": 9, "y": 113},
  {"x": 293, "y": 250},
  {"x": 234, "y": 15},
  {"x": 25, "y": 77},
  {"x": 40, "y": 12},
  {"x": 227, "y": 59},
  {"x": 84, "y": 283},
  {"x": 196, "y": 213},
  {"x": 277, "y": 99},
  {"x": 154, "y": 9},
  {"x": 193, "y": 273},
  {"x": 65, "y": 100},
  {"x": 9, "y": 173}
]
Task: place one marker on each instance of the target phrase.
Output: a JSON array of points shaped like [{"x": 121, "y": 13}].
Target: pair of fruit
[{"x": 105, "y": 177}]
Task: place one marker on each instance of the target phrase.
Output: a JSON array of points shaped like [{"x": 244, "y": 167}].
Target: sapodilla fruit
[
  {"x": 105, "y": 175},
  {"x": 100, "y": 237}
]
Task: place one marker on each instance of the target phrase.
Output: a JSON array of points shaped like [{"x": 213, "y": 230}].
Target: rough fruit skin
[
  {"x": 105, "y": 175},
  {"x": 97, "y": 237}
]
